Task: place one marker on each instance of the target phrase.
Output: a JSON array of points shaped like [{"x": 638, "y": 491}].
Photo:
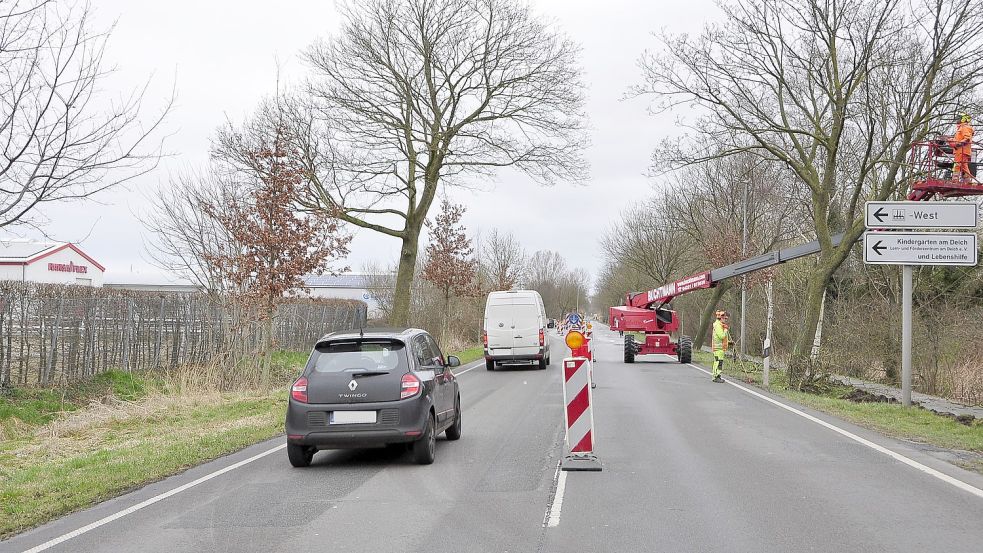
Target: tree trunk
[
  {"x": 706, "y": 316},
  {"x": 815, "y": 291},
  {"x": 404, "y": 277}
]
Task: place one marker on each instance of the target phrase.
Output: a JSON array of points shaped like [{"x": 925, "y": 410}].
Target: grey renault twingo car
[{"x": 372, "y": 388}]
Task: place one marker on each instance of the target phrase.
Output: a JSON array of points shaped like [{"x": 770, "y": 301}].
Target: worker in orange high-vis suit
[
  {"x": 719, "y": 340},
  {"x": 962, "y": 148}
]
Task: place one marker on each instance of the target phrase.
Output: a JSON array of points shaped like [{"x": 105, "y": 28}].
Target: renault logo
[{"x": 352, "y": 385}]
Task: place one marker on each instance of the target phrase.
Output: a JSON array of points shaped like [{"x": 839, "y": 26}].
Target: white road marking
[
  {"x": 467, "y": 370},
  {"x": 897, "y": 456},
  {"x": 129, "y": 510},
  {"x": 553, "y": 512}
]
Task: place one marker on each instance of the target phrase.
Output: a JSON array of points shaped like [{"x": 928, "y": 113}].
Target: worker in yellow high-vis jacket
[{"x": 719, "y": 342}]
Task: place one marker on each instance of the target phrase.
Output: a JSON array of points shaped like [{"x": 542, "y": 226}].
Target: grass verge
[
  {"x": 65, "y": 450},
  {"x": 913, "y": 424},
  {"x": 470, "y": 354}
]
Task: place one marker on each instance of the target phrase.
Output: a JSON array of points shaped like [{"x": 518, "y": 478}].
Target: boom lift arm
[
  {"x": 649, "y": 312},
  {"x": 931, "y": 162}
]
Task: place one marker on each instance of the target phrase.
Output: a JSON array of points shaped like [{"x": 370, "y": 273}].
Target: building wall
[
  {"x": 63, "y": 267},
  {"x": 11, "y": 272}
]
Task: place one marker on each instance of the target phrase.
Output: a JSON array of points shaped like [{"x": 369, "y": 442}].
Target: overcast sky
[{"x": 221, "y": 58}]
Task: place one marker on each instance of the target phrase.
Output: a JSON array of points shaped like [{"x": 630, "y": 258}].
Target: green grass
[
  {"x": 57, "y": 456},
  {"x": 468, "y": 355},
  {"x": 44, "y": 479},
  {"x": 892, "y": 419},
  {"x": 31, "y": 407}
]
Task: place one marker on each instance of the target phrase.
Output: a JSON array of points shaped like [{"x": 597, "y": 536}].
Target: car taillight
[
  {"x": 484, "y": 338},
  {"x": 409, "y": 386},
  {"x": 542, "y": 338},
  {"x": 299, "y": 390}
]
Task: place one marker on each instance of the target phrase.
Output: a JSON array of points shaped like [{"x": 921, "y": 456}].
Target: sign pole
[
  {"x": 767, "y": 349},
  {"x": 906, "y": 335}
]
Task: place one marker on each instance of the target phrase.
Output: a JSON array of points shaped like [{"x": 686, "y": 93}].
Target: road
[{"x": 688, "y": 466}]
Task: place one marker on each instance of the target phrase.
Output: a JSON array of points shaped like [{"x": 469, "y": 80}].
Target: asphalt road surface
[{"x": 688, "y": 466}]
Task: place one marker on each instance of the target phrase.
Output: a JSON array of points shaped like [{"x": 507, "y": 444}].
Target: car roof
[{"x": 400, "y": 333}]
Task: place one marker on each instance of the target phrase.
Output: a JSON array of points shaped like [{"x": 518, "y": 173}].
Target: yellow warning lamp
[{"x": 575, "y": 339}]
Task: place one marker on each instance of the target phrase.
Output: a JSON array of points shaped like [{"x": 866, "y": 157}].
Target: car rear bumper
[
  {"x": 396, "y": 422},
  {"x": 337, "y": 439}
]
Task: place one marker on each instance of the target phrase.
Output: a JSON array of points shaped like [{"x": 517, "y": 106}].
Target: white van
[{"x": 515, "y": 329}]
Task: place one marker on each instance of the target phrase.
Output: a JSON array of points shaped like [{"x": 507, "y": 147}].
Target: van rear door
[
  {"x": 498, "y": 325},
  {"x": 527, "y": 326}
]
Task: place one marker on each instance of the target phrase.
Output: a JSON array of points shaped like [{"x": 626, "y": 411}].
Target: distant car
[
  {"x": 550, "y": 323},
  {"x": 515, "y": 329},
  {"x": 373, "y": 388}
]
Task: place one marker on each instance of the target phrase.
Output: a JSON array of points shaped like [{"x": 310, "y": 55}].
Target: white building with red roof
[{"x": 50, "y": 262}]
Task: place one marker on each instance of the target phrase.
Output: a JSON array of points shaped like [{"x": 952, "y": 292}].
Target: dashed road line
[{"x": 552, "y": 519}]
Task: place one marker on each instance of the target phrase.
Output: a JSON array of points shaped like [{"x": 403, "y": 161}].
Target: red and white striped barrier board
[{"x": 579, "y": 415}]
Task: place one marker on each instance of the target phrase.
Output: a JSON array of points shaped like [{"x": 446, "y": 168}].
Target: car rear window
[{"x": 358, "y": 355}]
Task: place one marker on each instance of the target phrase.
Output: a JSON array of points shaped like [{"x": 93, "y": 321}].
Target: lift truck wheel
[
  {"x": 630, "y": 348},
  {"x": 685, "y": 349}
]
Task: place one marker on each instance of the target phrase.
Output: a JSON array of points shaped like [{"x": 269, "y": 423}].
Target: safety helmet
[{"x": 965, "y": 118}]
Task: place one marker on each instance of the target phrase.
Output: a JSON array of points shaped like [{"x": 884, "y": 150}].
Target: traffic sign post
[
  {"x": 918, "y": 248},
  {"x": 909, "y": 215}
]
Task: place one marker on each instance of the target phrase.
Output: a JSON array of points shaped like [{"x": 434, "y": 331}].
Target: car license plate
[{"x": 353, "y": 417}]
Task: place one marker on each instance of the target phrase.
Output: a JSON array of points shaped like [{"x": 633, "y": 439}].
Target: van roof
[{"x": 514, "y": 292}]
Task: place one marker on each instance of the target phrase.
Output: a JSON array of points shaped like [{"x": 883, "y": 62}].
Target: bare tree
[
  {"x": 504, "y": 260},
  {"x": 185, "y": 236},
  {"x": 731, "y": 208},
  {"x": 415, "y": 93},
  {"x": 835, "y": 91},
  {"x": 61, "y": 139},
  {"x": 562, "y": 289},
  {"x": 648, "y": 240}
]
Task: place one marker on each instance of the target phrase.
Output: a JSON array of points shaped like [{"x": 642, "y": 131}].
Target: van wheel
[
  {"x": 542, "y": 364},
  {"x": 489, "y": 365}
]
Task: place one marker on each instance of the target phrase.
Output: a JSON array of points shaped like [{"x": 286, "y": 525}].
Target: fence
[{"x": 52, "y": 333}]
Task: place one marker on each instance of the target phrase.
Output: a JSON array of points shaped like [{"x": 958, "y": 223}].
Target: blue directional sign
[{"x": 573, "y": 319}]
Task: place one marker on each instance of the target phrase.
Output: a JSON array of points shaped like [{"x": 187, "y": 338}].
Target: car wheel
[
  {"x": 425, "y": 448},
  {"x": 300, "y": 455},
  {"x": 489, "y": 365},
  {"x": 454, "y": 432}
]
